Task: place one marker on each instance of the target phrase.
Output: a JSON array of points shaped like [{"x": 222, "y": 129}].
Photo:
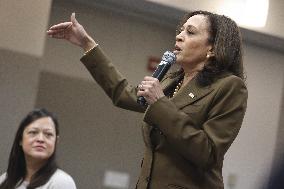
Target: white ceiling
[
  {"x": 169, "y": 12},
  {"x": 275, "y": 18}
]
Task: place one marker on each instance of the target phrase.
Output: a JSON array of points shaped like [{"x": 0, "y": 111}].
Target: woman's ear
[{"x": 210, "y": 53}]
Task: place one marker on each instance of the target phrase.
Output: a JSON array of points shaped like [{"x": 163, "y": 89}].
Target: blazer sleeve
[
  {"x": 205, "y": 145},
  {"x": 111, "y": 80}
]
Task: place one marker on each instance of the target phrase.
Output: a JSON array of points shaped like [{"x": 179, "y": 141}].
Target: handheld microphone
[{"x": 168, "y": 59}]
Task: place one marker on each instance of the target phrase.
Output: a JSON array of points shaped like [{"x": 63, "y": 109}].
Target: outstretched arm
[
  {"x": 73, "y": 32},
  {"x": 107, "y": 76}
]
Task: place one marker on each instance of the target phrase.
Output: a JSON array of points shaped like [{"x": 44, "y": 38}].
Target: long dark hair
[
  {"x": 16, "y": 171},
  {"x": 225, "y": 36}
]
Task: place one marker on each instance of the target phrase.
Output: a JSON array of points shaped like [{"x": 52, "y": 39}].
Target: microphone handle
[
  {"x": 159, "y": 74},
  {"x": 141, "y": 100}
]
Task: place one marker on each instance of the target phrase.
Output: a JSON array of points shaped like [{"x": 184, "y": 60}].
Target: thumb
[{"x": 73, "y": 19}]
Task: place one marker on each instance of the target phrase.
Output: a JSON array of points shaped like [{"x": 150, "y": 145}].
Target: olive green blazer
[{"x": 187, "y": 136}]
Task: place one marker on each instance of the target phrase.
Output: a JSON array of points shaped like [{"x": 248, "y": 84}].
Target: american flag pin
[{"x": 191, "y": 95}]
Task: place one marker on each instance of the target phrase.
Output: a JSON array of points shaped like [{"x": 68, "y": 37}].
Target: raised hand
[{"x": 73, "y": 32}]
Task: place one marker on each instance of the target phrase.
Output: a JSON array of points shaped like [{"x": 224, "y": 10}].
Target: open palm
[{"x": 72, "y": 31}]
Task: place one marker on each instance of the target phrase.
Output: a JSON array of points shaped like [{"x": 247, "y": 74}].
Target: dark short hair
[
  {"x": 225, "y": 37},
  {"x": 16, "y": 170}
]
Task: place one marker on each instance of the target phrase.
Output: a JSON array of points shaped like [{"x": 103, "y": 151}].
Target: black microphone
[{"x": 168, "y": 59}]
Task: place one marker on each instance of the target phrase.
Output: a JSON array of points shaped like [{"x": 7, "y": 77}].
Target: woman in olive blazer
[{"x": 194, "y": 114}]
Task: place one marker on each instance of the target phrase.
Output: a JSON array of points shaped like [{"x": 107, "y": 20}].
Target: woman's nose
[
  {"x": 40, "y": 137},
  {"x": 179, "y": 37}
]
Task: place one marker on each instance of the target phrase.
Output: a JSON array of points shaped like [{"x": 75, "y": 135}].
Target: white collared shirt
[{"x": 59, "y": 180}]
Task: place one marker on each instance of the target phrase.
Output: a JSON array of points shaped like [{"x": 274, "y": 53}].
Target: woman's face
[
  {"x": 192, "y": 44},
  {"x": 39, "y": 139}
]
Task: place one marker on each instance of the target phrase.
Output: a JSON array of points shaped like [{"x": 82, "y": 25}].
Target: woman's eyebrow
[
  {"x": 34, "y": 127},
  {"x": 191, "y": 27}
]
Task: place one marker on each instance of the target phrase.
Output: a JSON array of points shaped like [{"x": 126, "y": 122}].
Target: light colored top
[{"x": 59, "y": 180}]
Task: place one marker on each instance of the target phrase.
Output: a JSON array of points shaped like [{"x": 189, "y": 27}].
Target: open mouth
[{"x": 177, "y": 48}]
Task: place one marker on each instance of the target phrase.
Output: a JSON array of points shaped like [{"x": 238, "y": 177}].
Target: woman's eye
[
  {"x": 49, "y": 134},
  {"x": 32, "y": 132},
  {"x": 190, "y": 32}
]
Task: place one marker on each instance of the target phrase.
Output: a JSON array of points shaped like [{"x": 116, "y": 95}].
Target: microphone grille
[{"x": 169, "y": 57}]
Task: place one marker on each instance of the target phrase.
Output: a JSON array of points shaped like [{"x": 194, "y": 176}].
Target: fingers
[
  {"x": 140, "y": 87},
  {"x": 59, "y": 34},
  {"x": 149, "y": 78},
  {"x": 145, "y": 86},
  {"x": 62, "y": 25},
  {"x": 150, "y": 92},
  {"x": 73, "y": 19},
  {"x": 53, "y": 32},
  {"x": 58, "y": 30},
  {"x": 142, "y": 92},
  {"x": 148, "y": 82}
]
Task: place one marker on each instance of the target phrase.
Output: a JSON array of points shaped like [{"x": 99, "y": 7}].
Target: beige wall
[
  {"x": 22, "y": 37},
  {"x": 18, "y": 83},
  {"x": 251, "y": 156},
  {"x": 95, "y": 136},
  {"x": 23, "y": 25}
]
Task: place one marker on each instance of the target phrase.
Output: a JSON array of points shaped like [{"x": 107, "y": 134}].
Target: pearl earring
[{"x": 207, "y": 56}]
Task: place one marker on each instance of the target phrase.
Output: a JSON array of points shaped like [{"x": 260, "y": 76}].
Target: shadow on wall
[{"x": 276, "y": 180}]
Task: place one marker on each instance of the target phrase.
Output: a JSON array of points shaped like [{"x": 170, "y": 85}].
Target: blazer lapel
[
  {"x": 190, "y": 93},
  {"x": 168, "y": 83}
]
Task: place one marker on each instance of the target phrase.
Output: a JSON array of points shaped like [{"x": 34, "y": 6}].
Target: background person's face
[
  {"x": 192, "y": 42},
  {"x": 39, "y": 139}
]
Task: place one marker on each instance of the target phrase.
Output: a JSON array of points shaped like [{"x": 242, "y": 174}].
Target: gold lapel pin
[{"x": 191, "y": 95}]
